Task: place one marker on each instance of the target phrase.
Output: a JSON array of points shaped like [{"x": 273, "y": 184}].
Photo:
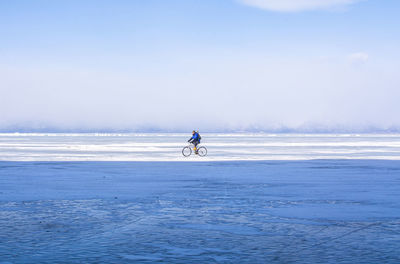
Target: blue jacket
[{"x": 195, "y": 137}]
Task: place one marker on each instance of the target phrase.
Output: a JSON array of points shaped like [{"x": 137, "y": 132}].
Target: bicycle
[{"x": 187, "y": 151}]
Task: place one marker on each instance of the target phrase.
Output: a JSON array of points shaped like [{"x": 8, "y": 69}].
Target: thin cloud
[
  {"x": 296, "y": 5},
  {"x": 358, "y": 57}
]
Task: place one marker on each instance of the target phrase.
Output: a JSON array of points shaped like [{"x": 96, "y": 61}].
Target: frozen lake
[
  {"x": 168, "y": 146},
  {"x": 325, "y": 211},
  {"x": 57, "y": 207}
]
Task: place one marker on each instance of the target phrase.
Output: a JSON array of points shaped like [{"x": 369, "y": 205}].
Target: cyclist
[{"x": 195, "y": 140}]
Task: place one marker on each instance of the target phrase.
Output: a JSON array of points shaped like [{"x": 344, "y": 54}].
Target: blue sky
[{"x": 305, "y": 65}]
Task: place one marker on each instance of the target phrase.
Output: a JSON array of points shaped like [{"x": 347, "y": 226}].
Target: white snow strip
[{"x": 221, "y": 147}]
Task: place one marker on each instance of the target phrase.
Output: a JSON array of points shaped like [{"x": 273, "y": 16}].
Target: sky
[{"x": 210, "y": 65}]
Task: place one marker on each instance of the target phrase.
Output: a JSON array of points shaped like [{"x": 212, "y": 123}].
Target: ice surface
[
  {"x": 167, "y": 147},
  {"x": 314, "y": 211}
]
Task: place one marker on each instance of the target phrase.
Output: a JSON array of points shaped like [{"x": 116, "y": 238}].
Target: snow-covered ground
[
  {"x": 167, "y": 147},
  {"x": 255, "y": 199}
]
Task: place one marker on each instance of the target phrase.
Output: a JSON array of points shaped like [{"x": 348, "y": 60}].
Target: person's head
[{"x": 193, "y": 132}]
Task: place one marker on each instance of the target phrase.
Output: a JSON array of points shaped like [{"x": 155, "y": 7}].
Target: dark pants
[{"x": 195, "y": 143}]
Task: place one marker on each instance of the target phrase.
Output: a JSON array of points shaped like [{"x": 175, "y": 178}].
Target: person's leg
[{"x": 195, "y": 146}]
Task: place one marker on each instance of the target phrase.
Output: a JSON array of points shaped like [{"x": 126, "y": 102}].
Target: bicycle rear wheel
[
  {"x": 186, "y": 151},
  {"x": 202, "y": 151}
]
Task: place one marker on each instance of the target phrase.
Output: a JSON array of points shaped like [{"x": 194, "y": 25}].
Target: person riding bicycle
[{"x": 195, "y": 140}]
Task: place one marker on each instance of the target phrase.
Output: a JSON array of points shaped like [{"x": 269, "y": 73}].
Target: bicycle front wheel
[
  {"x": 186, "y": 151},
  {"x": 202, "y": 151}
]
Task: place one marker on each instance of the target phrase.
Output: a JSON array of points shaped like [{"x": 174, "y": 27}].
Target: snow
[{"x": 168, "y": 146}]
